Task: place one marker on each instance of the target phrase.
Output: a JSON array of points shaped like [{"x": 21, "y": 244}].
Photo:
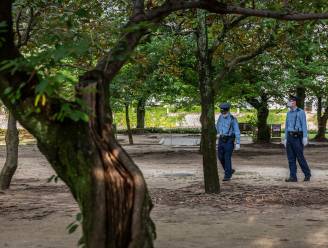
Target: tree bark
[
  {"x": 262, "y": 109},
  {"x": 141, "y": 112},
  {"x": 109, "y": 187},
  {"x": 263, "y": 129},
  {"x": 208, "y": 138},
  {"x": 12, "y": 141},
  {"x": 128, "y": 125},
  {"x": 322, "y": 122}
]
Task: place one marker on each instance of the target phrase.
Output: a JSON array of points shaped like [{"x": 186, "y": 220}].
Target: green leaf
[
  {"x": 79, "y": 217},
  {"x": 50, "y": 178},
  {"x": 72, "y": 228},
  {"x": 8, "y": 90},
  {"x": 81, "y": 242}
]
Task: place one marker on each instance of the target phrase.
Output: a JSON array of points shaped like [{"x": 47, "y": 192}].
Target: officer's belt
[{"x": 295, "y": 133}]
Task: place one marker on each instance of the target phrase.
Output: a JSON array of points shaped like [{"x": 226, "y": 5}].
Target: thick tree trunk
[
  {"x": 12, "y": 141},
  {"x": 301, "y": 93},
  {"x": 208, "y": 139},
  {"x": 141, "y": 112},
  {"x": 109, "y": 187},
  {"x": 322, "y": 122},
  {"x": 128, "y": 124}
]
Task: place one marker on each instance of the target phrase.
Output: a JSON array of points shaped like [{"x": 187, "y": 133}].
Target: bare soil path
[{"x": 256, "y": 209}]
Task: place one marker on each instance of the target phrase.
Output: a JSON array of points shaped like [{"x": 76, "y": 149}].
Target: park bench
[
  {"x": 275, "y": 132},
  {"x": 246, "y": 128}
]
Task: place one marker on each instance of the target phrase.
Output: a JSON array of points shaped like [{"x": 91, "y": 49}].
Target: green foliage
[
  {"x": 68, "y": 110},
  {"x": 163, "y": 130},
  {"x": 155, "y": 117},
  {"x": 71, "y": 228},
  {"x": 53, "y": 178}
]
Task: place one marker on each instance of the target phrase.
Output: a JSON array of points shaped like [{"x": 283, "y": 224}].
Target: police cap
[
  {"x": 225, "y": 106},
  {"x": 293, "y": 98}
]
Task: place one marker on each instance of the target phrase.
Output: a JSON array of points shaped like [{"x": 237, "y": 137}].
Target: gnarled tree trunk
[
  {"x": 208, "y": 138},
  {"x": 12, "y": 141},
  {"x": 107, "y": 184}
]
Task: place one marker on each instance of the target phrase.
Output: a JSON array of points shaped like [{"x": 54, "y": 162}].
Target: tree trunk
[
  {"x": 322, "y": 127},
  {"x": 109, "y": 187},
  {"x": 141, "y": 112},
  {"x": 301, "y": 93},
  {"x": 263, "y": 129},
  {"x": 262, "y": 109},
  {"x": 128, "y": 125},
  {"x": 208, "y": 139},
  {"x": 322, "y": 122},
  {"x": 12, "y": 141}
]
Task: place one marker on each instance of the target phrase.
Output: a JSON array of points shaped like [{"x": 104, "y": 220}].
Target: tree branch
[
  {"x": 223, "y": 34},
  {"x": 240, "y": 59},
  {"x": 218, "y": 7}
]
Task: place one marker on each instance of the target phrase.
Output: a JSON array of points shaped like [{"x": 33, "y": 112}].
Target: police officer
[
  {"x": 228, "y": 132},
  {"x": 296, "y": 137}
]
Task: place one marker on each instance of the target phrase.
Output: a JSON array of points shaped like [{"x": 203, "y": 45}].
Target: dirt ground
[{"x": 256, "y": 209}]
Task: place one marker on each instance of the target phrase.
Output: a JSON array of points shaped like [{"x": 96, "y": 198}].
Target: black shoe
[
  {"x": 307, "y": 178},
  {"x": 233, "y": 171},
  {"x": 289, "y": 180},
  {"x": 226, "y": 179}
]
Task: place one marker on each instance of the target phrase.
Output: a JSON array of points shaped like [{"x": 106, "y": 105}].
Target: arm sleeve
[
  {"x": 217, "y": 125},
  {"x": 237, "y": 131},
  {"x": 304, "y": 124}
]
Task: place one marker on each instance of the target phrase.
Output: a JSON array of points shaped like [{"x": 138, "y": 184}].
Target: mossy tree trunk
[{"x": 107, "y": 184}]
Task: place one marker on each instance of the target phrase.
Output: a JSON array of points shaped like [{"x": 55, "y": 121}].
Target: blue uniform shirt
[
  {"x": 296, "y": 121},
  {"x": 223, "y": 124}
]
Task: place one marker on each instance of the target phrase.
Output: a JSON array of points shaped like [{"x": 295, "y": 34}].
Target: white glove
[
  {"x": 218, "y": 135},
  {"x": 285, "y": 143},
  {"x": 305, "y": 141},
  {"x": 237, "y": 147}
]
